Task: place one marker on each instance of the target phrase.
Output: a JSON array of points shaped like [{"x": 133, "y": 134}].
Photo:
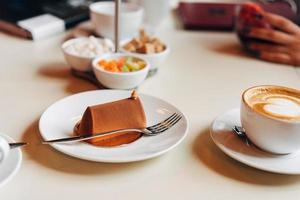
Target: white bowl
[
  {"x": 119, "y": 80},
  {"x": 76, "y": 61},
  {"x": 102, "y": 17},
  {"x": 155, "y": 59}
]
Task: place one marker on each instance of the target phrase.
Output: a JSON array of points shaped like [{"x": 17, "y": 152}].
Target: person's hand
[{"x": 285, "y": 38}]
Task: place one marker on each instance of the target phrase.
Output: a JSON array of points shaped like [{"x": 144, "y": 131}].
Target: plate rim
[
  {"x": 224, "y": 149},
  {"x": 104, "y": 160},
  {"x": 17, "y": 166}
]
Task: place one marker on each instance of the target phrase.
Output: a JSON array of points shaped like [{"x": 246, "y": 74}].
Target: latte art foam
[
  {"x": 284, "y": 107},
  {"x": 275, "y": 102}
]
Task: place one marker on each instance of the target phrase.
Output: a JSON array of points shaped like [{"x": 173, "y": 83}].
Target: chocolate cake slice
[{"x": 121, "y": 114}]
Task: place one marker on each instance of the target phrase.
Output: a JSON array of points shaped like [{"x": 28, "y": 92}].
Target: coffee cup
[
  {"x": 270, "y": 116},
  {"x": 155, "y": 11},
  {"x": 103, "y": 14},
  {"x": 4, "y": 149}
]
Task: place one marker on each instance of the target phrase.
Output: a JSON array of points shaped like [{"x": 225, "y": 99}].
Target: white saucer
[
  {"x": 11, "y": 164},
  {"x": 59, "y": 119},
  {"x": 230, "y": 144}
]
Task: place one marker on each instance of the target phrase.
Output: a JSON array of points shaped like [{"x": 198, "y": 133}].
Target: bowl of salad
[{"x": 120, "y": 71}]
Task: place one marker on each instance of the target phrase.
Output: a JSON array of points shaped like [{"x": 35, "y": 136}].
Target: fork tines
[{"x": 166, "y": 124}]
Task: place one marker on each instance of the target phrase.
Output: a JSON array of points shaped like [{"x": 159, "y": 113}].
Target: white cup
[
  {"x": 155, "y": 11},
  {"x": 4, "y": 149},
  {"x": 103, "y": 15},
  {"x": 268, "y": 133}
]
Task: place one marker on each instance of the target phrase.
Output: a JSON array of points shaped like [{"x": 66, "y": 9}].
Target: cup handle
[{"x": 4, "y": 149}]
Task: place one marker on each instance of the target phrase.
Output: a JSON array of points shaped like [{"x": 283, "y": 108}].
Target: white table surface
[{"x": 203, "y": 76}]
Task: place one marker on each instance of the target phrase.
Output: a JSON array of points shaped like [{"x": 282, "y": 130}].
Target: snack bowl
[
  {"x": 83, "y": 61},
  {"x": 154, "y": 59},
  {"x": 119, "y": 80},
  {"x": 102, "y": 18}
]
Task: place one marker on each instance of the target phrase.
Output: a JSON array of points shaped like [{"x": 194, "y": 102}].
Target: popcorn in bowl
[
  {"x": 79, "y": 52},
  {"x": 89, "y": 47}
]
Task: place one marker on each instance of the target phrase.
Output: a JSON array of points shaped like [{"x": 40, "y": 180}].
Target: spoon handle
[{"x": 17, "y": 144}]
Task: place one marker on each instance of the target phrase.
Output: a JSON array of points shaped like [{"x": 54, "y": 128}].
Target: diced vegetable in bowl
[
  {"x": 120, "y": 70},
  {"x": 123, "y": 64}
]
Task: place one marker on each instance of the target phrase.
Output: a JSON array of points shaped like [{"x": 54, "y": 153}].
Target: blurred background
[
  {"x": 194, "y": 14},
  {"x": 71, "y": 11}
]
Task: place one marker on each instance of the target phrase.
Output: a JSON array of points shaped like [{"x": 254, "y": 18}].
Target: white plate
[
  {"x": 11, "y": 164},
  {"x": 230, "y": 144},
  {"x": 59, "y": 119}
]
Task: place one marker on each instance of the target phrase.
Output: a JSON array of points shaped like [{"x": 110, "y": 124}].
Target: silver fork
[{"x": 150, "y": 131}]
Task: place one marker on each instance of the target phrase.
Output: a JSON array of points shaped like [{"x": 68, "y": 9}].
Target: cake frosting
[{"x": 121, "y": 114}]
